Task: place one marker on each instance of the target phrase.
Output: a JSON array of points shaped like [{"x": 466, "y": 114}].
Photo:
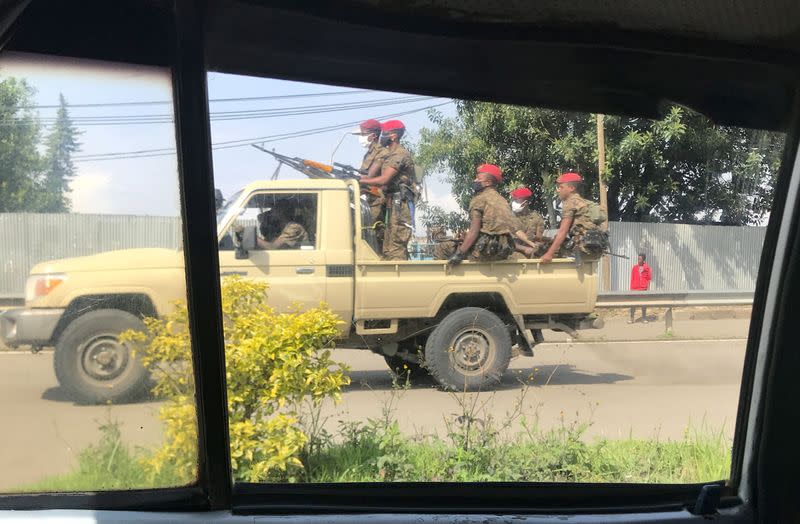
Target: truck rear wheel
[
  {"x": 469, "y": 350},
  {"x": 92, "y": 365}
]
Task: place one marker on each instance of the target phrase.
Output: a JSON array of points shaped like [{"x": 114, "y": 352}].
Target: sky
[{"x": 118, "y": 171}]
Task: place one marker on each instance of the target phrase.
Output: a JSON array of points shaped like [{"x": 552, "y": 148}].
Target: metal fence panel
[
  {"x": 687, "y": 257},
  {"x": 29, "y": 238},
  {"x": 683, "y": 257}
]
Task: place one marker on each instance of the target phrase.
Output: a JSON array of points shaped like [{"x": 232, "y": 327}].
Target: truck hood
[{"x": 151, "y": 258}]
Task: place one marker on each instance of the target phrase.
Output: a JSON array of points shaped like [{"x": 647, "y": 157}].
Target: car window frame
[{"x": 214, "y": 488}]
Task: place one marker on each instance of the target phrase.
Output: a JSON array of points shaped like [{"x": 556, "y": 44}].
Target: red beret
[
  {"x": 521, "y": 192},
  {"x": 569, "y": 177},
  {"x": 370, "y": 125},
  {"x": 392, "y": 125},
  {"x": 492, "y": 170}
]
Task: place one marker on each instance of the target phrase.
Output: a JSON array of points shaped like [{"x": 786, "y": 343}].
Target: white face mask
[
  {"x": 363, "y": 140},
  {"x": 516, "y": 207}
]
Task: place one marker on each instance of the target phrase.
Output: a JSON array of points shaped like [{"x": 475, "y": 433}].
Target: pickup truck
[{"x": 462, "y": 324}]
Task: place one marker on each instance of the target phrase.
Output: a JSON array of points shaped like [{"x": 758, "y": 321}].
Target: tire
[
  {"x": 93, "y": 366},
  {"x": 469, "y": 350}
]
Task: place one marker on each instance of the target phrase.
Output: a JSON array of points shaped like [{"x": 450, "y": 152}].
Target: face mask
[
  {"x": 363, "y": 140},
  {"x": 385, "y": 140},
  {"x": 516, "y": 207},
  {"x": 477, "y": 187}
]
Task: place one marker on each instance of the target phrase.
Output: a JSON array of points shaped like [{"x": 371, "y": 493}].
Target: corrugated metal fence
[
  {"x": 29, "y": 238},
  {"x": 687, "y": 257},
  {"x": 682, "y": 257}
]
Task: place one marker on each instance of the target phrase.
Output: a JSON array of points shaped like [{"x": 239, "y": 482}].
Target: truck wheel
[
  {"x": 92, "y": 365},
  {"x": 469, "y": 350}
]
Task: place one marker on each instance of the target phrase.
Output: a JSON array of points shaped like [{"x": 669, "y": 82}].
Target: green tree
[
  {"x": 681, "y": 168},
  {"x": 20, "y": 162},
  {"x": 61, "y": 143}
]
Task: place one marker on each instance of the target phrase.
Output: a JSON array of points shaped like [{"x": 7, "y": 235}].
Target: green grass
[
  {"x": 375, "y": 452},
  {"x": 108, "y": 465}
]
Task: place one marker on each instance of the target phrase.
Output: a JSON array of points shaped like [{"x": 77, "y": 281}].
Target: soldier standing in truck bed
[
  {"x": 397, "y": 177},
  {"x": 492, "y": 223},
  {"x": 368, "y": 135}
]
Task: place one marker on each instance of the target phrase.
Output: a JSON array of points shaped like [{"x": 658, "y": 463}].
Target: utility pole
[{"x": 601, "y": 169}]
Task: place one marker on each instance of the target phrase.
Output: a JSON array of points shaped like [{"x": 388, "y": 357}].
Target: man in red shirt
[{"x": 640, "y": 281}]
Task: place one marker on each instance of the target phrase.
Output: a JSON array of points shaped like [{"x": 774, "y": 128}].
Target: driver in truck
[{"x": 277, "y": 230}]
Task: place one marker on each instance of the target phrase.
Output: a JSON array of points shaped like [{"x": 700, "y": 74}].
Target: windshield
[{"x": 221, "y": 212}]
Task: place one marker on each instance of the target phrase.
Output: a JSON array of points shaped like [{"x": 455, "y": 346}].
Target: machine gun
[{"x": 314, "y": 169}]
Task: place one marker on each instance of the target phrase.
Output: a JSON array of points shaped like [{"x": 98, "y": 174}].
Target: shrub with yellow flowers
[{"x": 275, "y": 362}]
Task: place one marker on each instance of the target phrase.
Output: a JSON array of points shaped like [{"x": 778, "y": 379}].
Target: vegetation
[
  {"x": 274, "y": 364},
  {"x": 682, "y": 168},
  {"x": 33, "y": 181},
  {"x": 377, "y": 452}
]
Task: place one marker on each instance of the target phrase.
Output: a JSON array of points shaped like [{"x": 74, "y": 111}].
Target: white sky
[{"x": 148, "y": 186}]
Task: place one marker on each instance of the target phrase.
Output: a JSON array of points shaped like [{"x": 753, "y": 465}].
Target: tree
[
  {"x": 20, "y": 162},
  {"x": 61, "y": 144},
  {"x": 682, "y": 168}
]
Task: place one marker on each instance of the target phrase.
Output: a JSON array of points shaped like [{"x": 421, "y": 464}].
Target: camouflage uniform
[
  {"x": 375, "y": 155},
  {"x": 292, "y": 236},
  {"x": 530, "y": 222},
  {"x": 443, "y": 247},
  {"x": 498, "y": 224},
  {"x": 577, "y": 208},
  {"x": 399, "y": 195}
]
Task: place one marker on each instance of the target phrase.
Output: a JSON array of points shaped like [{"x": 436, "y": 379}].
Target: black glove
[{"x": 456, "y": 259}]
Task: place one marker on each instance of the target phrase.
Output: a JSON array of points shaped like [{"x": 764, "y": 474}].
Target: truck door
[{"x": 287, "y": 253}]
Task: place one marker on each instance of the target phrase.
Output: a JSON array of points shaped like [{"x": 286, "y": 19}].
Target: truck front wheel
[
  {"x": 469, "y": 350},
  {"x": 92, "y": 365}
]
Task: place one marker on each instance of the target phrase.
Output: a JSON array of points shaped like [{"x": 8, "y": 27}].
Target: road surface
[{"x": 645, "y": 389}]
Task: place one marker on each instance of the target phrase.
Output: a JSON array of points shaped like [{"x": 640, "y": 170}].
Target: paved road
[{"x": 645, "y": 389}]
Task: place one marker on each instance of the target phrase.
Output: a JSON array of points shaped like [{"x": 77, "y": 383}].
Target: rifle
[{"x": 316, "y": 170}]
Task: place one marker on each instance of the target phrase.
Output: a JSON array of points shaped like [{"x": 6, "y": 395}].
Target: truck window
[{"x": 279, "y": 221}]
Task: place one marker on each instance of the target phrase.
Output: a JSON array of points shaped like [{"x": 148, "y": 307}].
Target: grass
[
  {"x": 376, "y": 452},
  {"x": 108, "y": 465}
]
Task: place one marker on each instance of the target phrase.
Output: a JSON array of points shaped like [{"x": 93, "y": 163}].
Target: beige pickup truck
[{"x": 462, "y": 325}]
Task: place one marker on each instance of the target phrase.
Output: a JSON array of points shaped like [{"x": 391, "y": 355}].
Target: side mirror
[{"x": 244, "y": 241}]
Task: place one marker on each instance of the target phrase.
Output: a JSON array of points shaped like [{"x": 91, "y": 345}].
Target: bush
[{"x": 274, "y": 363}]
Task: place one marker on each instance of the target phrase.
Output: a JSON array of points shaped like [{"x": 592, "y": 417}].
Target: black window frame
[{"x": 182, "y": 35}]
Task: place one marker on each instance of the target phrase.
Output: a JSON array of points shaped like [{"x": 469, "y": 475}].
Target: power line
[
  {"x": 245, "y": 142},
  {"x": 249, "y": 114},
  {"x": 212, "y": 100}
]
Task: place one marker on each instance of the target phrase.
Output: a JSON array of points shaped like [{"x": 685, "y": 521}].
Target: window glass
[
  {"x": 92, "y": 271},
  {"x": 591, "y": 327}
]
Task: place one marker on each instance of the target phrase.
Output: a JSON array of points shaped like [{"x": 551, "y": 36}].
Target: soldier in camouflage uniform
[
  {"x": 576, "y": 219},
  {"x": 531, "y": 224},
  {"x": 369, "y": 132},
  {"x": 397, "y": 177},
  {"x": 279, "y": 231},
  {"x": 492, "y": 223}
]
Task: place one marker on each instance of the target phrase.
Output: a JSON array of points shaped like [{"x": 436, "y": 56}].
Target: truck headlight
[{"x": 41, "y": 285}]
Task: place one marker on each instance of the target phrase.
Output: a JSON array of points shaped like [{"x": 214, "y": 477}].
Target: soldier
[
  {"x": 369, "y": 133},
  {"x": 278, "y": 230},
  {"x": 492, "y": 223},
  {"x": 397, "y": 176},
  {"x": 576, "y": 220},
  {"x": 529, "y": 239}
]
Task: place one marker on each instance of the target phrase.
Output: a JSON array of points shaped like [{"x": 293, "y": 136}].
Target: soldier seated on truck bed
[
  {"x": 492, "y": 223},
  {"x": 581, "y": 221},
  {"x": 278, "y": 231}
]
